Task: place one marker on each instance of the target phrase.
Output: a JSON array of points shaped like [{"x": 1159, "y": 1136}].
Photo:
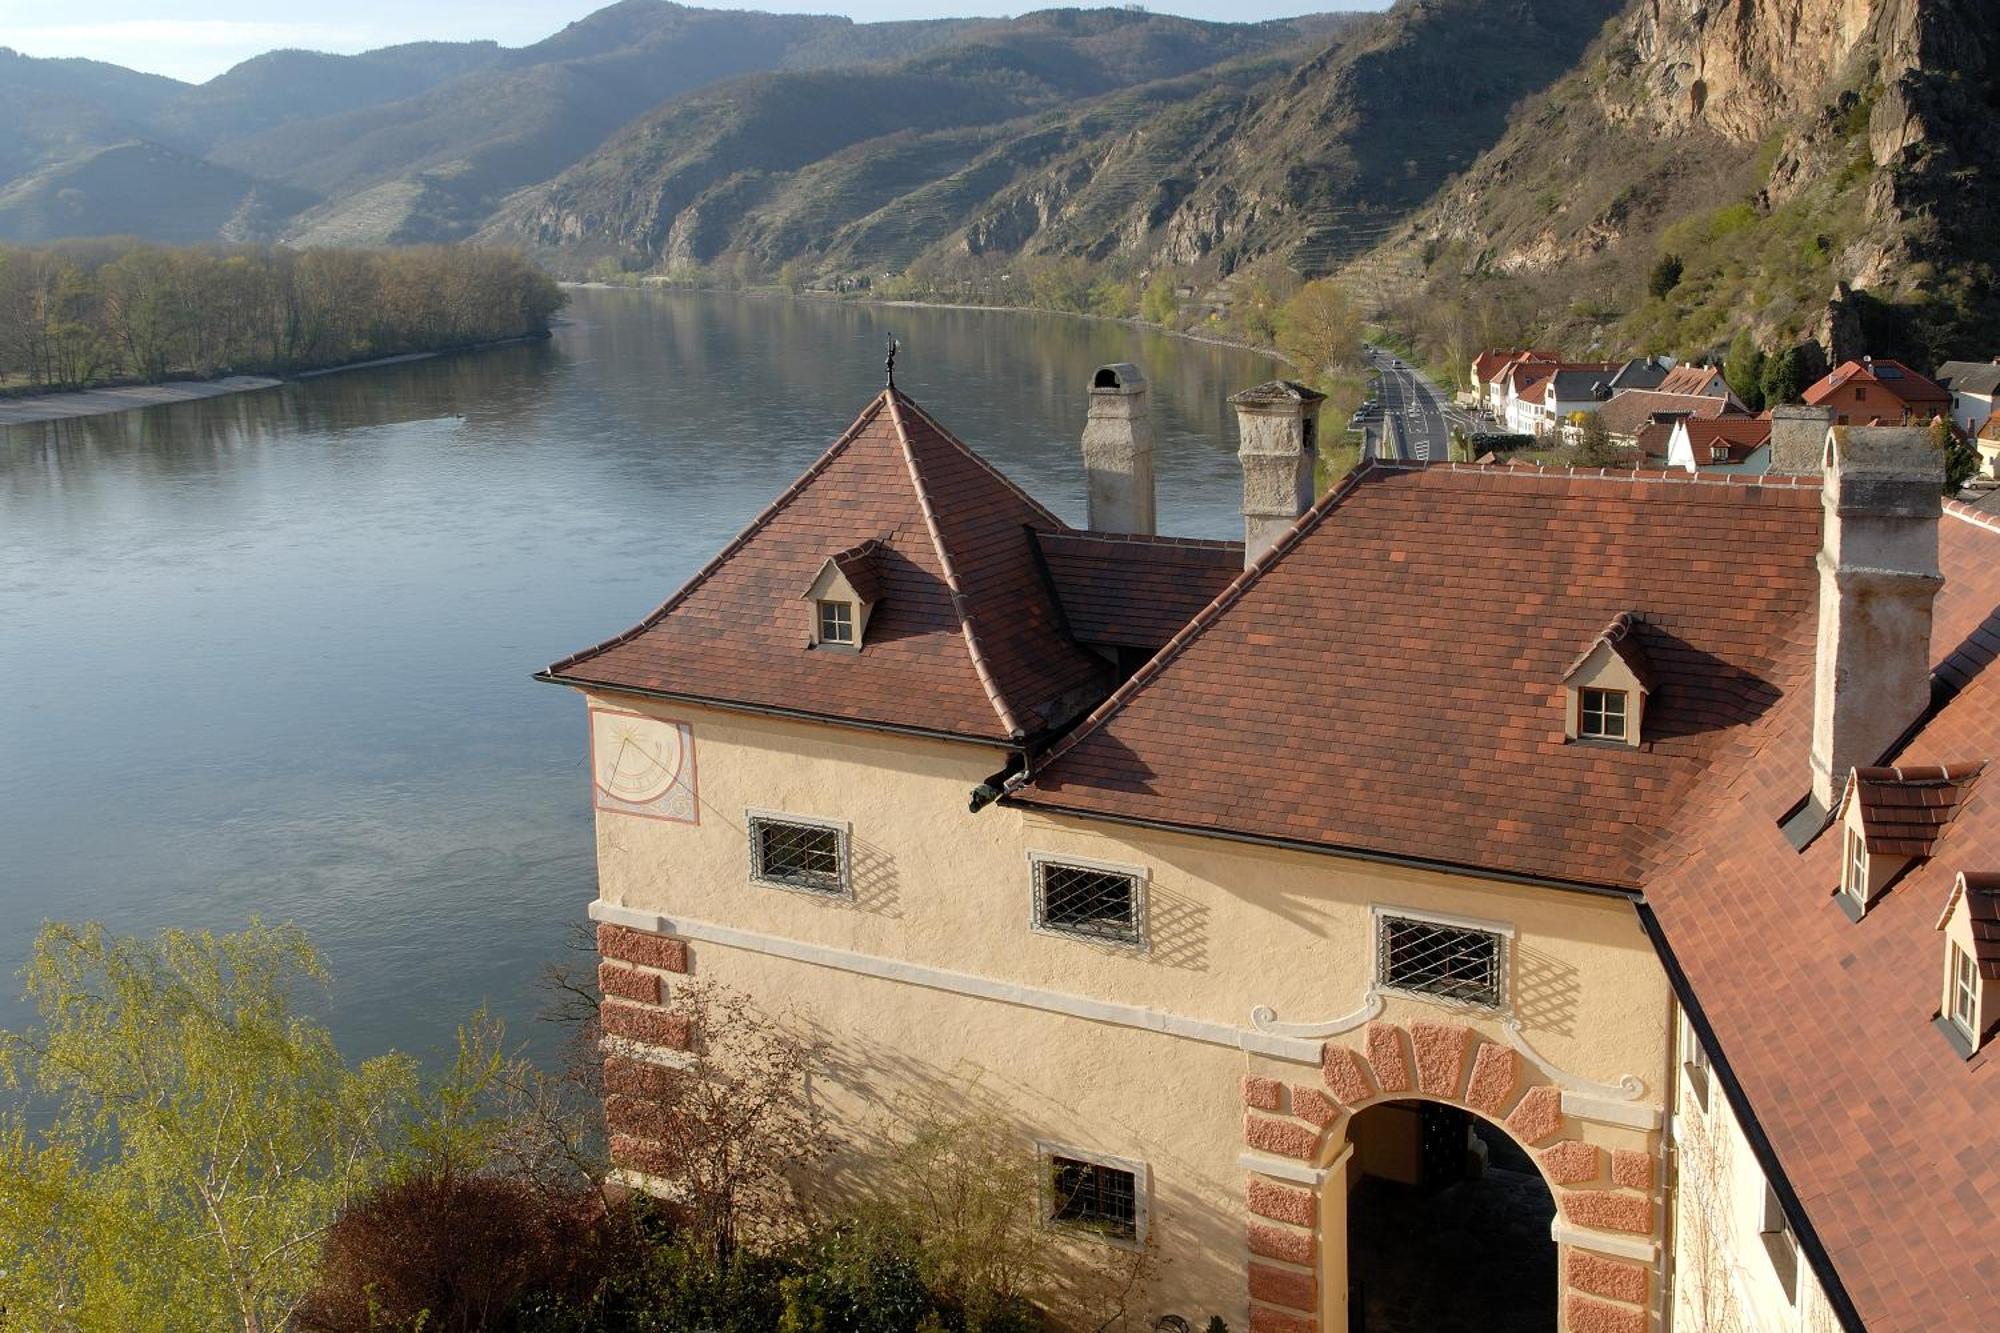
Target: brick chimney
[
  {"x": 1118, "y": 451},
  {"x": 1878, "y": 575},
  {"x": 1277, "y": 427}
]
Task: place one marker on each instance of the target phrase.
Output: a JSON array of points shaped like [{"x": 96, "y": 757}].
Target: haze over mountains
[{"x": 1534, "y": 154}]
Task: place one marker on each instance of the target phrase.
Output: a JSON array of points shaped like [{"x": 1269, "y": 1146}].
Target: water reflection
[{"x": 269, "y": 653}]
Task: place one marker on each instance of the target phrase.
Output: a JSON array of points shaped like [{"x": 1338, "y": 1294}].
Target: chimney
[
  {"x": 1277, "y": 426},
  {"x": 1878, "y": 575},
  {"x": 1798, "y": 437},
  {"x": 1118, "y": 451}
]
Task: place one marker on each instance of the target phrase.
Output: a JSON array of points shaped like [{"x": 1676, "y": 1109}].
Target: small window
[
  {"x": 1601, "y": 715},
  {"x": 1964, "y": 992},
  {"x": 1780, "y": 1244},
  {"x": 1092, "y": 902},
  {"x": 1860, "y": 393},
  {"x": 836, "y": 622},
  {"x": 1856, "y": 880},
  {"x": 798, "y": 854},
  {"x": 1093, "y": 1196},
  {"x": 1455, "y": 962}
]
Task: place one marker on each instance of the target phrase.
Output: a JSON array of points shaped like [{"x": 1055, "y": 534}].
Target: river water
[{"x": 269, "y": 654}]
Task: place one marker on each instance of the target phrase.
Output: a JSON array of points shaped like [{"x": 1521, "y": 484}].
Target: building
[
  {"x": 1973, "y": 385},
  {"x": 1701, "y": 381},
  {"x": 1441, "y": 816},
  {"x": 1878, "y": 391},
  {"x": 1631, "y": 412},
  {"x": 1741, "y": 444},
  {"x": 1533, "y": 392}
]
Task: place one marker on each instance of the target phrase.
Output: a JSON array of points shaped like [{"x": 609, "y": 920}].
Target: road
[{"x": 1425, "y": 411}]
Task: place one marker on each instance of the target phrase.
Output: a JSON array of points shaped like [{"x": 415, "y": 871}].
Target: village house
[
  {"x": 1438, "y": 822},
  {"x": 1972, "y": 385},
  {"x": 1701, "y": 381},
  {"x": 1736, "y": 444},
  {"x": 1630, "y": 413},
  {"x": 1534, "y": 393},
  {"x": 1878, "y": 391}
]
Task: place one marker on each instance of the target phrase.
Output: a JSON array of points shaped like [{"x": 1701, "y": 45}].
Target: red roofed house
[
  {"x": 1595, "y": 868},
  {"x": 1740, "y": 443},
  {"x": 1878, "y": 391}
]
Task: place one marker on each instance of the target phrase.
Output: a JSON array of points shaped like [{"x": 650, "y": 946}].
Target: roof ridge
[
  {"x": 736, "y": 543},
  {"x": 898, "y": 397},
  {"x": 1205, "y": 617},
  {"x": 959, "y": 606}
]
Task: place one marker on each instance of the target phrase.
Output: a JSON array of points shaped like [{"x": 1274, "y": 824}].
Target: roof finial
[{"x": 889, "y": 362}]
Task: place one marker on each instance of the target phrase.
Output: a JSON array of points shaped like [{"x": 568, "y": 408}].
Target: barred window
[
  {"x": 798, "y": 854},
  {"x": 1092, "y": 902},
  {"x": 1455, "y": 962},
  {"x": 1094, "y": 1196},
  {"x": 1601, "y": 715}
]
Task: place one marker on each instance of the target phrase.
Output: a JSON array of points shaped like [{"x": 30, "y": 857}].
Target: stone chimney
[
  {"x": 1118, "y": 451},
  {"x": 1277, "y": 426},
  {"x": 1878, "y": 575},
  {"x": 1798, "y": 437}
]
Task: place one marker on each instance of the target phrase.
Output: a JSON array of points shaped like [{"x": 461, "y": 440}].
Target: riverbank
[{"x": 66, "y": 404}]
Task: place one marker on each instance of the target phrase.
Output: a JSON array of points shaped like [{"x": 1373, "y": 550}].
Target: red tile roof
[
  {"x": 861, "y": 566},
  {"x": 967, "y": 638},
  {"x": 1885, "y": 1134},
  {"x": 1629, "y": 412},
  {"x": 1389, "y": 678},
  {"x": 1622, "y": 637},
  {"x": 1737, "y": 437},
  {"x": 1122, "y": 590},
  {"x": 1896, "y": 379},
  {"x": 1693, "y": 380},
  {"x": 1903, "y": 810}
]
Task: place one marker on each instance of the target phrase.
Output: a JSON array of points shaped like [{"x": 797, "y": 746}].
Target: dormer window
[
  {"x": 843, "y": 596},
  {"x": 1890, "y": 819},
  {"x": 1601, "y": 715},
  {"x": 836, "y": 622},
  {"x": 1605, "y": 689},
  {"x": 1969, "y": 1009}
]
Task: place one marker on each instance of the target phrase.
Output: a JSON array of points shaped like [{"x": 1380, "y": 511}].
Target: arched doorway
[{"x": 1447, "y": 1225}]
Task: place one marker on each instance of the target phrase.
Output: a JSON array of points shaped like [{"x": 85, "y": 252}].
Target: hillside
[
  {"x": 776, "y": 165},
  {"x": 1780, "y": 151},
  {"x": 136, "y": 187}
]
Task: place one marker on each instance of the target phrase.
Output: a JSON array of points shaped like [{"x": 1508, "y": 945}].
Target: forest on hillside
[{"x": 92, "y": 313}]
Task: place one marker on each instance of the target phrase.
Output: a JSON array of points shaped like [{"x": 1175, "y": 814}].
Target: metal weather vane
[{"x": 889, "y": 362}]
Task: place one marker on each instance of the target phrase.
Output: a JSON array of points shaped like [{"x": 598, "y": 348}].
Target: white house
[{"x": 1973, "y": 386}]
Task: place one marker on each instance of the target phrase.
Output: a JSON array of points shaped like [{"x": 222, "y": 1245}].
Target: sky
[{"x": 195, "y": 40}]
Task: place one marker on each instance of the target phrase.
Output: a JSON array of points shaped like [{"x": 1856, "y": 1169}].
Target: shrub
[
  {"x": 452, "y": 1253},
  {"x": 1666, "y": 276}
]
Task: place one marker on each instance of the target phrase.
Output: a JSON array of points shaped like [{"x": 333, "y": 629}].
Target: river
[{"x": 269, "y": 654}]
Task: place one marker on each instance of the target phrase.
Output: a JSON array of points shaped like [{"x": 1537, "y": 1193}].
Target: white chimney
[
  {"x": 1118, "y": 451},
  {"x": 1277, "y": 426},
  {"x": 1878, "y": 575}
]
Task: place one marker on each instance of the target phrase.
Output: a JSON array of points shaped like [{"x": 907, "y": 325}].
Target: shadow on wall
[{"x": 1545, "y": 991}]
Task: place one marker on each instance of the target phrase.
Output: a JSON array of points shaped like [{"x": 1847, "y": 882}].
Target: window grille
[
  {"x": 1449, "y": 961},
  {"x": 796, "y": 855},
  {"x": 1093, "y": 1196},
  {"x": 1601, "y": 715},
  {"x": 836, "y": 622},
  {"x": 1087, "y": 901}
]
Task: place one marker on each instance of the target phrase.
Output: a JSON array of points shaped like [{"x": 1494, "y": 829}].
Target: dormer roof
[
  {"x": 1904, "y": 809},
  {"x": 968, "y": 641},
  {"x": 1980, "y": 892},
  {"x": 1621, "y": 638},
  {"x": 858, "y": 565}
]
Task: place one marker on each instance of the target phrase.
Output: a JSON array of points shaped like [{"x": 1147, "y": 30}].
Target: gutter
[
  {"x": 1331, "y": 849},
  {"x": 773, "y": 710},
  {"x": 1753, "y": 1129}
]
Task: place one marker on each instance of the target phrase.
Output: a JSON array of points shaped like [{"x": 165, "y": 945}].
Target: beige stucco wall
[
  {"x": 1724, "y": 1280},
  {"x": 1232, "y": 926}
]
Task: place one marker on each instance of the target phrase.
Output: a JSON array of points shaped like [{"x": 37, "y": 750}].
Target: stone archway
[{"x": 1300, "y": 1153}]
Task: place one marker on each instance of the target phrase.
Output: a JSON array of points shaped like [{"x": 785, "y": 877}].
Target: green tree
[
  {"x": 1666, "y": 276},
  {"x": 1593, "y": 442},
  {"x": 1961, "y": 459},
  {"x": 1743, "y": 368},
  {"x": 1784, "y": 377},
  {"x": 204, "y": 1135},
  {"x": 1319, "y": 329},
  {"x": 1160, "y": 305}
]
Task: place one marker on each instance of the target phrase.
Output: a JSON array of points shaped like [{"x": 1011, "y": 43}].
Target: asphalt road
[{"x": 1425, "y": 411}]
